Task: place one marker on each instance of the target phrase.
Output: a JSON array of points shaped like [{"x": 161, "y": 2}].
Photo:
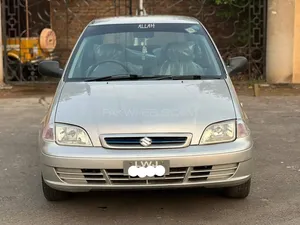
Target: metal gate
[
  {"x": 238, "y": 28},
  {"x": 26, "y": 24}
]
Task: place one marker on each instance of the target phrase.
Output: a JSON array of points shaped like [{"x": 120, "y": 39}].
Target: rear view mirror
[
  {"x": 50, "y": 69},
  {"x": 237, "y": 65}
]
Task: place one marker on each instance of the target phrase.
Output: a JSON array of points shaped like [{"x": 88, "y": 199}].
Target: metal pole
[
  {"x": 27, "y": 19},
  {"x": 1, "y": 52},
  {"x": 141, "y": 5},
  {"x": 141, "y": 8},
  {"x": 265, "y": 33}
]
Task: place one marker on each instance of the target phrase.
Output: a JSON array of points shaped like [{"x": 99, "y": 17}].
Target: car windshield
[{"x": 144, "y": 50}]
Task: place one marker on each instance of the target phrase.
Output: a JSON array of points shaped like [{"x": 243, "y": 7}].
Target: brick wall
[{"x": 69, "y": 20}]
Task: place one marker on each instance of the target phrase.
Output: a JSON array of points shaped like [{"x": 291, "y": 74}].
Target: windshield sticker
[
  {"x": 191, "y": 30},
  {"x": 146, "y": 26}
]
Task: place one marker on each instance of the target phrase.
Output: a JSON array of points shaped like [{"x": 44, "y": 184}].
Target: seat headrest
[
  {"x": 180, "y": 52},
  {"x": 109, "y": 52}
]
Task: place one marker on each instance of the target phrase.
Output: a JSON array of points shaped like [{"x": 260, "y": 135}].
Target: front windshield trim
[{"x": 94, "y": 30}]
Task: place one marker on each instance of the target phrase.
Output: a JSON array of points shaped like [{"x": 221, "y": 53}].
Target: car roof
[{"x": 144, "y": 19}]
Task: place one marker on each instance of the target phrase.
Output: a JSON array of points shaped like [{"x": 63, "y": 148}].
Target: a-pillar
[{"x": 280, "y": 41}]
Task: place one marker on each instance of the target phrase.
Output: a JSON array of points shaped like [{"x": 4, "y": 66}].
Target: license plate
[{"x": 146, "y": 168}]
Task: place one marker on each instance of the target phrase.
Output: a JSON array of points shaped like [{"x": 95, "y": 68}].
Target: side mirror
[
  {"x": 237, "y": 65},
  {"x": 50, "y": 69}
]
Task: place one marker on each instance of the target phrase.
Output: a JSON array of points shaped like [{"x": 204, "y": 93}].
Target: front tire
[
  {"x": 52, "y": 194},
  {"x": 240, "y": 191}
]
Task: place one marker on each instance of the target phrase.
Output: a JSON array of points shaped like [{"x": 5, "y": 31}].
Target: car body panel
[
  {"x": 145, "y": 107},
  {"x": 145, "y": 19},
  {"x": 240, "y": 177},
  {"x": 77, "y": 158}
]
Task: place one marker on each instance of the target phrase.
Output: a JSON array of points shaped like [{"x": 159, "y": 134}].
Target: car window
[{"x": 144, "y": 49}]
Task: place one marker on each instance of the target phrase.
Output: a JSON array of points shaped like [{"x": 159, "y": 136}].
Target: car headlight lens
[
  {"x": 226, "y": 131},
  {"x": 71, "y": 135},
  {"x": 219, "y": 133}
]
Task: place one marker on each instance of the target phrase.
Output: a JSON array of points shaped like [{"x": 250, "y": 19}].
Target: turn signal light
[
  {"x": 48, "y": 133},
  {"x": 242, "y": 130}
]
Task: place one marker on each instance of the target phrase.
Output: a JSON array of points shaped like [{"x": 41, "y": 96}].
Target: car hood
[{"x": 145, "y": 106}]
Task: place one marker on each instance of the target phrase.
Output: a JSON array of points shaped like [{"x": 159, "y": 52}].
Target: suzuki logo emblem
[{"x": 146, "y": 142}]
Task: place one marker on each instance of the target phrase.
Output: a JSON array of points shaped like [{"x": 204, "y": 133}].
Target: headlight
[
  {"x": 71, "y": 135},
  {"x": 226, "y": 131},
  {"x": 219, "y": 133}
]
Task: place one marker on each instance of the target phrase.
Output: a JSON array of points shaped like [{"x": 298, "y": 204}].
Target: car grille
[
  {"x": 217, "y": 172},
  {"x": 177, "y": 175},
  {"x": 81, "y": 176},
  {"x": 157, "y": 141}
]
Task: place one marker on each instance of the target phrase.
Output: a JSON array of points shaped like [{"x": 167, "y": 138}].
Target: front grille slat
[
  {"x": 68, "y": 173},
  {"x": 177, "y": 172},
  {"x": 115, "y": 174},
  {"x": 80, "y": 178},
  {"x": 215, "y": 170},
  {"x": 118, "y": 179},
  {"x": 178, "y": 175},
  {"x": 216, "y": 175}
]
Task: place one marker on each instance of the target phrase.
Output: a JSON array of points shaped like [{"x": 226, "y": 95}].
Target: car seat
[{"x": 179, "y": 60}]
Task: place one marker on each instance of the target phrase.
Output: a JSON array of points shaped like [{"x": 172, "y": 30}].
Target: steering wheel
[{"x": 95, "y": 66}]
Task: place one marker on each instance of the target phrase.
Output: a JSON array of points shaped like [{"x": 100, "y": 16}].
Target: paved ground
[{"x": 275, "y": 197}]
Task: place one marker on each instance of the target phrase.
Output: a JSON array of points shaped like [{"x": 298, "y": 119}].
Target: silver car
[{"x": 145, "y": 102}]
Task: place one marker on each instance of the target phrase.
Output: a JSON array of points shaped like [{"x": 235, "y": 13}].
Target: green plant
[
  {"x": 233, "y": 11},
  {"x": 241, "y": 19},
  {"x": 230, "y": 2},
  {"x": 226, "y": 2}
]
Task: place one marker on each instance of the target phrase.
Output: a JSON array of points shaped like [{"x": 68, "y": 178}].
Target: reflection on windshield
[{"x": 162, "y": 50}]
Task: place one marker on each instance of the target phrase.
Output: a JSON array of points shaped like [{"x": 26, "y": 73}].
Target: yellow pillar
[
  {"x": 280, "y": 41},
  {"x": 1, "y": 51},
  {"x": 296, "y": 62}
]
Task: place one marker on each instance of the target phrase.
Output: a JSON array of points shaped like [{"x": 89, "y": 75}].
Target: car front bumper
[{"x": 81, "y": 169}]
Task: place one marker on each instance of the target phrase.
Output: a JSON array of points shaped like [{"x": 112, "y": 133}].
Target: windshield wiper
[
  {"x": 186, "y": 77},
  {"x": 157, "y": 77},
  {"x": 115, "y": 77}
]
